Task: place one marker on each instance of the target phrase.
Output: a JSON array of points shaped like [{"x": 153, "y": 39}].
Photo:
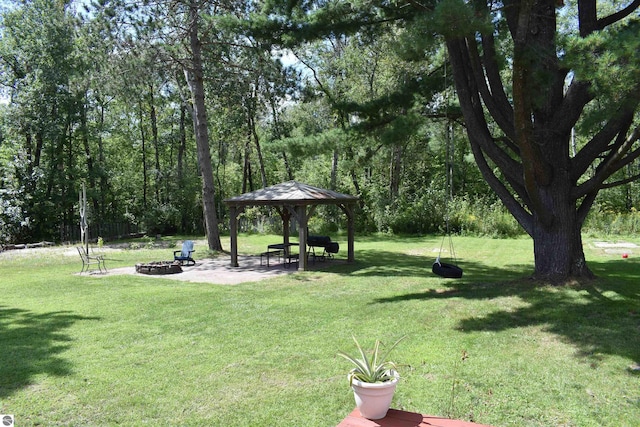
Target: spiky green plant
[{"x": 372, "y": 369}]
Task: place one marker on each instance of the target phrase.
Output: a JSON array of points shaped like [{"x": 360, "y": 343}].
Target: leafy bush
[
  {"x": 11, "y": 217},
  {"x": 428, "y": 212},
  {"x": 161, "y": 219},
  {"x": 256, "y": 219},
  {"x": 15, "y": 219},
  {"x": 422, "y": 215},
  {"x": 482, "y": 217},
  {"x": 602, "y": 221}
]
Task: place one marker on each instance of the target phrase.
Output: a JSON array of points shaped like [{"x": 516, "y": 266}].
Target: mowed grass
[{"x": 493, "y": 347}]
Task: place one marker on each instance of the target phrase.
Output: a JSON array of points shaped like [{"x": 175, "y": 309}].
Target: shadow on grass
[
  {"x": 598, "y": 317},
  {"x": 374, "y": 263},
  {"x": 31, "y": 345}
]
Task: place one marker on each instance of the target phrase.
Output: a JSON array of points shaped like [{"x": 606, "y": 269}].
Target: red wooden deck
[{"x": 396, "y": 418}]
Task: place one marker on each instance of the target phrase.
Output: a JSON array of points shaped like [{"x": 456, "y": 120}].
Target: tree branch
[
  {"x": 618, "y": 157},
  {"x": 473, "y": 112},
  {"x": 536, "y": 171},
  {"x": 493, "y": 96},
  {"x": 482, "y": 143},
  {"x": 621, "y": 182},
  {"x": 615, "y": 17},
  {"x": 600, "y": 143},
  {"x": 576, "y": 98},
  {"x": 587, "y": 17},
  {"x": 524, "y": 218}
]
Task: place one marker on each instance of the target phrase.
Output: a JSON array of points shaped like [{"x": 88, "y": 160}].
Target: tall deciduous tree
[{"x": 37, "y": 64}]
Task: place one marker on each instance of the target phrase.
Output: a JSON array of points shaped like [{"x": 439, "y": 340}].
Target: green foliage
[
  {"x": 428, "y": 212},
  {"x": 419, "y": 213},
  {"x": 12, "y": 219},
  {"x": 602, "y": 221},
  {"x": 484, "y": 216},
  {"x": 161, "y": 218},
  {"x": 38, "y": 71},
  {"x": 610, "y": 61},
  {"x": 375, "y": 99},
  {"x": 458, "y": 19},
  {"x": 262, "y": 220},
  {"x": 372, "y": 368}
]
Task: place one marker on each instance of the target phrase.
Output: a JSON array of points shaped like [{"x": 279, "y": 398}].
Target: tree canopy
[
  {"x": 528, "y": 74},
  {"x": 428, "y": 110}
]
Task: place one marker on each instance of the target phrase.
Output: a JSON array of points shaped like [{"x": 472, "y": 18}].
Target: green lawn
[{"x": 124, "y": 350}]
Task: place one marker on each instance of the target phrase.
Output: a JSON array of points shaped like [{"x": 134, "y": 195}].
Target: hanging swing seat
[
  {"x": 443, "y": 269},
  {"x": 448, "y": 271}
]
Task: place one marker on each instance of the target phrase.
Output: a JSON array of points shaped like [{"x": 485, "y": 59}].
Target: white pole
[{"x": 84, "y": 227}]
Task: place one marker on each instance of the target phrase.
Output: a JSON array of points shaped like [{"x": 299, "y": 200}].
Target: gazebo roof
[{"x": 290, "y": 193}]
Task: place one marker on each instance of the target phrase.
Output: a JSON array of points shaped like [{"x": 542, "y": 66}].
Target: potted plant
[{"x": 373, "y": 380}]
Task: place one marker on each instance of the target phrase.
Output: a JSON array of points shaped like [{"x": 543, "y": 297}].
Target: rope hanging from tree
[{"x": 442, "y": 269}]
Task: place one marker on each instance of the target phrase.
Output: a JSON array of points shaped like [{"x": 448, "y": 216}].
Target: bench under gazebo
[{"x": 295, "y": 199}]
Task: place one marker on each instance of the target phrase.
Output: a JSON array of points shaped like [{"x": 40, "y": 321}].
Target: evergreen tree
[{"x": 523, "y": 81}]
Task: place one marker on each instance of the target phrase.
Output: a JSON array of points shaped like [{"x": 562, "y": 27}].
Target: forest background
[{"x": 97, "y": 95}]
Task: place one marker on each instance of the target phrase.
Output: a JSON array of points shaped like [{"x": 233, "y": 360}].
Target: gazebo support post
[
  {"x": 351, "y": 235},
  {"x": 351, "y": 231},
  {"x": 233, "y": 231},
  {"x": 300, "y": 214},
  {"x": 302, "y": 237},
  {"x": 285, "y": 215}
]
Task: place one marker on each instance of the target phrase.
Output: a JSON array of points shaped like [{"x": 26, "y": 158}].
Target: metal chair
[{"x": 88, "y": 260}]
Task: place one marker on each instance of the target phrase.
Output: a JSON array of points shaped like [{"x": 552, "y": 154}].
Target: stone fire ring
[{"x": 159, "y": 267}]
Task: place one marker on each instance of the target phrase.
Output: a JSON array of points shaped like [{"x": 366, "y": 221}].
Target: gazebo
[{"x": 297, "y": 199}]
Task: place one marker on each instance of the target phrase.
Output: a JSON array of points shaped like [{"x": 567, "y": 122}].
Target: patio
[{"x": 219, "y": 271}]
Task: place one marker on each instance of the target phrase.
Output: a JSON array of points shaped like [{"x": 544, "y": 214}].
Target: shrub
[
  {"x": 601, "y": 221},
  {"x": 161, "y": 219}
]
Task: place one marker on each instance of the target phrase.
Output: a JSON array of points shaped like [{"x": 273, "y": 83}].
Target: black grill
[{"x": 323, "y": 242}]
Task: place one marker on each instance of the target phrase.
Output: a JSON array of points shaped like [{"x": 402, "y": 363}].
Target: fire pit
[{"x": 159, "y": 267}]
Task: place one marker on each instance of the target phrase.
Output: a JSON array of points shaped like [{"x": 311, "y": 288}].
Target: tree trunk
[
  {"x": 333, "y": 184},
  {"x": 247, "y": 175},
  {"x": 251, "y": 123},
  {"x": 180, "y": 167},
  {"x": 143, "y": 138},
  {"x": 156, "y": 144},
  {"x": 38, "y": 151},
  {"x": 195, "y": 80},
  {"x": 87, "y": 152},
  {"x": 104, "y": 185},
  {"x": 278, "y": 134},
  {"x": 395, "y": 171},
  {"x": 558, "y": 253},
  {"x": 183, "y": 144},
  {"x": 557, "y": 247},
  {"x": 256, "y": 141}
]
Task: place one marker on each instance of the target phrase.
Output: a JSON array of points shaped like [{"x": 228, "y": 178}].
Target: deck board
[{"x": 397, "y": 418}]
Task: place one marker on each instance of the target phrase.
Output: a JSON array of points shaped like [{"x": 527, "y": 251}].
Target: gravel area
[
  {"x": 209, "y": 270},
  {"x": 218, "y": 271}
]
